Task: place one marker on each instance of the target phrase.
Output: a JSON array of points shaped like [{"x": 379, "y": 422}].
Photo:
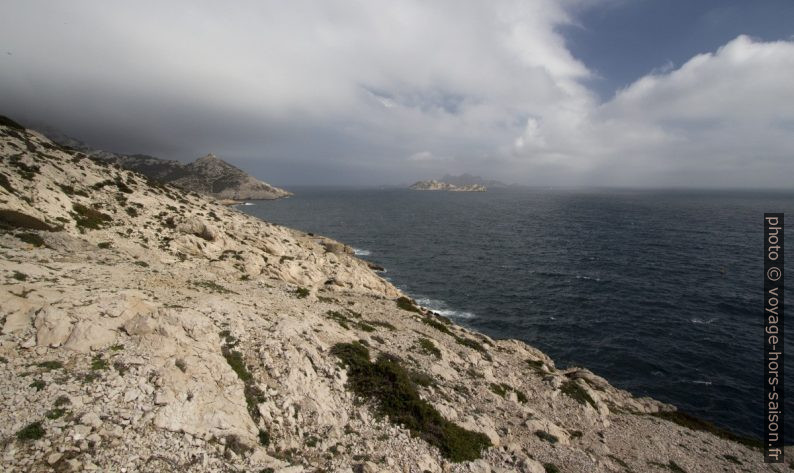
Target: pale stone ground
[{"x": 138, "y": 312}]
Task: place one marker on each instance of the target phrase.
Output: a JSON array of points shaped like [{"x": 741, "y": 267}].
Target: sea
[{"x": 658, "y": 291}]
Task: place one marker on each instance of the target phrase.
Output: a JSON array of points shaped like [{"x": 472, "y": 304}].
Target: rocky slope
[
  {"x": 149, "y": 329},
  {"x": 434, "y": 185},
  {"x": 213, "y": 176},
  {"x": 209, "y": 175}
]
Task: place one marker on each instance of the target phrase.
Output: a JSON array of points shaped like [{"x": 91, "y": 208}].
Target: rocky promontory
[{"x": 145, "y": 328}]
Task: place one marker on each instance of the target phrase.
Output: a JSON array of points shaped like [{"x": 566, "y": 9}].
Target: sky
[{"x": 627, "y": 93}]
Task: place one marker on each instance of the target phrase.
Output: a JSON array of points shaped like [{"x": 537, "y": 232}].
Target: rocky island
[
  {"x": 146, "y": 328},
  {"x": 434, "y": 185}
]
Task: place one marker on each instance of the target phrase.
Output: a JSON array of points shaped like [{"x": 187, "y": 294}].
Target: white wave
[
  {"x": 248, "y": 203},
  {"x": 442, "y": 308},
  {"x": 706, "y": 383},
  {"x": 698, "y": 320},
  {"x": 588, "y": 278},
  {"x": 360, "y": 252}
]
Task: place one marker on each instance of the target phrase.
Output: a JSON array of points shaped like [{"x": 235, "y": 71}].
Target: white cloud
[
  {"x": 312, "y": 91},
  {"x": 720, "y": 119}
]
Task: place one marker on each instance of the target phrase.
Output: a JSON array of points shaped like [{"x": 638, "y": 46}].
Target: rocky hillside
[
  {"x": 213, "y": 176},
  {"x": 209, "y": 175},
  {"x": 146, "y": 329},
  {"x": 434, "y": 185}
]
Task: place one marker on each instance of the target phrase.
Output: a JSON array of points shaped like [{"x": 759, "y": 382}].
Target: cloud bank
[{"x": 345, "y": 92}]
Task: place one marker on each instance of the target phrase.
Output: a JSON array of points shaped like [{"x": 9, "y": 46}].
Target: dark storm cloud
[{"x": 387, "y": 92}]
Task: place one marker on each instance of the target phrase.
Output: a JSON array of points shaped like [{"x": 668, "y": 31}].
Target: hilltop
[
  {"x": 145, "y": 328},
  {"x": 208, "y": 175}
]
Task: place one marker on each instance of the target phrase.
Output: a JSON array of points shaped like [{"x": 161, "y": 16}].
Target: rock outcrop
[
  {"x": 149, "y": 329},
  {"x": 434, "y": 185},
  {"x": 209, "y": 175},
  {"x": 213, "y": 176}
]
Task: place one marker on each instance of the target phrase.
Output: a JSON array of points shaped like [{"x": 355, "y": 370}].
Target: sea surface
[{"x": 660, "y": 292}]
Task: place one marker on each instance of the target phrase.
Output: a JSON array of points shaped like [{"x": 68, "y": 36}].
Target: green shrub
[
  {"x": 577, "y": 393},
  {"x": 99, "y": 363},
  {"x": 213, "y": 286},
  {"x": 62, "y": 401},
  {"x": 86, "y": 217},
  {"x": 19, "y": 276},
  {"x": 429, "y": 348},
  {"x": 543, "y": 435},
  {"x": 32, "y": 431},
  {"x": 104, "y": 245},
  {"x": 388, "y": 384},
  {"x": 38, "y": 384},
  {"x": 551, "y": 468},
  {"x": 405, "y": 303},
  {"x": 50, "y": 365},
  {"x": 437, "y": 325},
  {"x": 302, "y": 293}
]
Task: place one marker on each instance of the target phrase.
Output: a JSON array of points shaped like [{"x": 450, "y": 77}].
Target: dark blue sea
[{"x": 660, "y": 292}]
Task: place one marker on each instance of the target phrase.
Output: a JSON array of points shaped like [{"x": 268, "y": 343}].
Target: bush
[
  {"x": 86, "y": 217},
  {"x": 577, "y": 393},
  {"x": 32, "y": 431},
  {"x": 405, "y": 303},
  {"x": 429, "y": 348},
  {"x": 302, "y": 293},
  {"x": 390, "y": 386}
]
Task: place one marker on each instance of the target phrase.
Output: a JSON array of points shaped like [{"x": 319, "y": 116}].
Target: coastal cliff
[{"x": 145, "y": 328}]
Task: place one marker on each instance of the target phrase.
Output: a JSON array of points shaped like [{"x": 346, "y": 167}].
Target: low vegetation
[
  {"x": 31, "y": 432},
  {"x": 691, "y": 422},
  {"x": 429, "y": 348},
  {"x": 389, "y": 385},
  {"x": 577, "y": 393},
  {"x": 89, "y": 218},
  {"x": 253, "y": 395},
  {"x": 405, "y": 303},
  {"x": 501, "y": 389}
]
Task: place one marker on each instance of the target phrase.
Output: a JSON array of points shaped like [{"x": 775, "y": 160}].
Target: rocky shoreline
[{"x": 145, "y": 328}]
